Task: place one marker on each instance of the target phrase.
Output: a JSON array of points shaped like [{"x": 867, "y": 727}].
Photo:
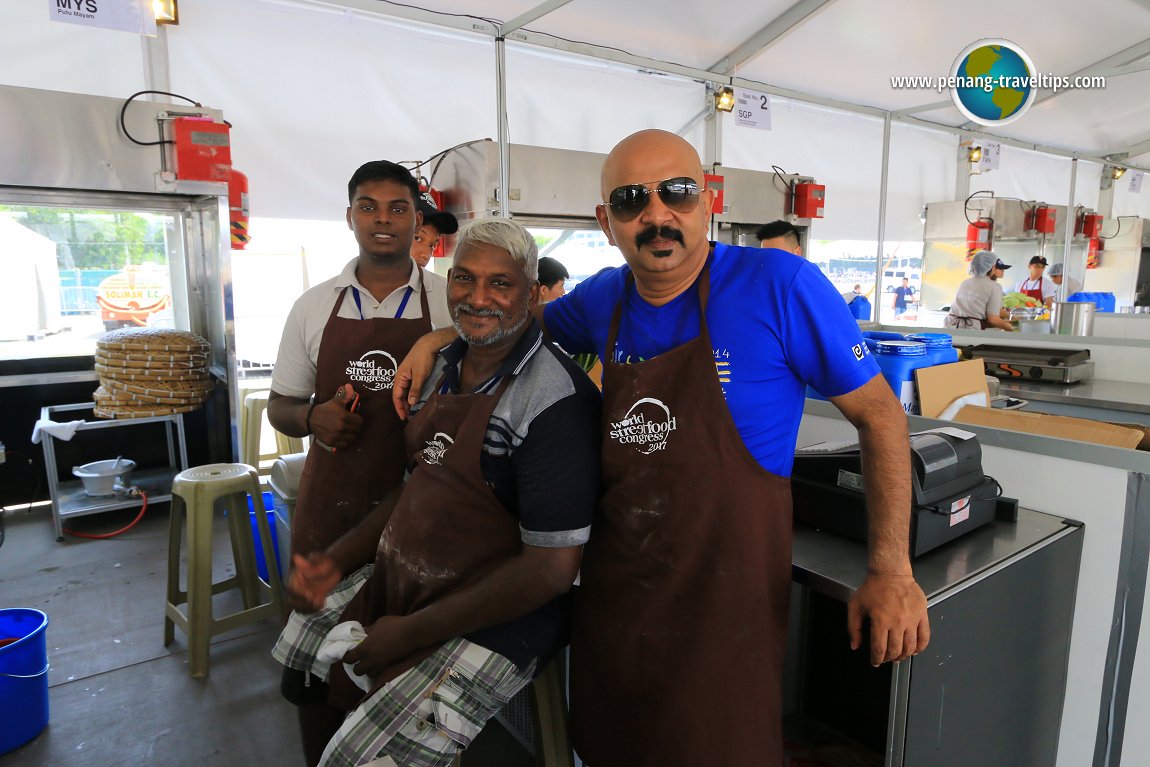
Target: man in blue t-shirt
[
  {"x": 903, "y": 297},
  {"x": 707, "y": 349}
]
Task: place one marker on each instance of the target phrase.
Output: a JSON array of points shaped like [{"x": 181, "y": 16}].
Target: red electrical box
[
  {"x": 203, "y": 149},
  {"x": 1041, "y": 219},
  {"x": 1090, "y": 226},
  {"x": 809, "y": 199},
  {"x": 715, "y": 182}
]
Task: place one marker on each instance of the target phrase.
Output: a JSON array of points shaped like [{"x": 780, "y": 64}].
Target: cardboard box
[
  {"x": 940, "y": 385},
  {"x": 1079, "y": 429},
  {"x": 1145, "y": 430}
]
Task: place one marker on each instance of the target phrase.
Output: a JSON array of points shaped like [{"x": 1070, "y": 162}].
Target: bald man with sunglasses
[{"x": 680, "y": 622}]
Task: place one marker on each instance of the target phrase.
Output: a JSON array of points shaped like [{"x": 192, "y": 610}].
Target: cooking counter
[{"x": 1097, "y": 398}]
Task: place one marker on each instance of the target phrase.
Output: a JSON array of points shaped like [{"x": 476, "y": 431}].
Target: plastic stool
[
  {"x": 194, "y": 495},
  {"x": 251, "y": 434}
]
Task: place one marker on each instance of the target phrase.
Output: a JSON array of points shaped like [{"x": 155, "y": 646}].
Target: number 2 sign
[{"x": 752, "y": 109}]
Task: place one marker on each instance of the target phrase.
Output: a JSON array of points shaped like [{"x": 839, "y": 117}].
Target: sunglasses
[{"x": 679, "y": 194}]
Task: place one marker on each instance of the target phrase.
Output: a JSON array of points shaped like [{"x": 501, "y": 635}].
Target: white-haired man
[{"x": 475, "y": 553}]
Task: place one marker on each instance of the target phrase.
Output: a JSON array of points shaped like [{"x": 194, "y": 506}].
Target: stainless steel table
[
  {"x": 989, "y": 689},
  {"x": 69, "y": 498}
]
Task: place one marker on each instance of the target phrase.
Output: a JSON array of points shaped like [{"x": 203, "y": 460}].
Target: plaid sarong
[
  {"x": 423, "y": 717},
  {"x": 299, "y": 642}
]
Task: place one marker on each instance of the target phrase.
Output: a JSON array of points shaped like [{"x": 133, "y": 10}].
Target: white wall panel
[
  {"x": 571, "y": 102},
  {"x": 313, "y": 93},
  {"x": 36, "y": 52},
  {"x": 841, "y": 150}
]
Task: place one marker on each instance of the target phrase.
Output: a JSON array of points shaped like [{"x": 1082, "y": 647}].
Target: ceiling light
[
  {"x": 166, "y": 11},
  {"x": 1116, "y": 172},
  {"x": 974, "y": 154},
  {"x": 725, "y": 99}
]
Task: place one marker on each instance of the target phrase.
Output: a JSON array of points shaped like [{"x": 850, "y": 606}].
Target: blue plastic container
[
  {"x": 860, "y": 307},
  {"x": 939, "y": 346},
  {"x": 261, "y": 563},
  {"x": 872, "y": 337},
  {"x": 898, "y": 360},
  {"x": 23, "y": 676},
  {"x": 1103, "y": 302}
]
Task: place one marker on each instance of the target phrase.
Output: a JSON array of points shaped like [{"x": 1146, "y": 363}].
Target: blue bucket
[
  {"x": 23, "y": 677},
  {"x": 261, "y": 563}
]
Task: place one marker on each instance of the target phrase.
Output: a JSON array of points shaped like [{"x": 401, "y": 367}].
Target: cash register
[{"x": 951, "y": 495}]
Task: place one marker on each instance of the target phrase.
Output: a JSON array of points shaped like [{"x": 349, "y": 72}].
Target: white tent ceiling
[{"x": 846, "y": 52}]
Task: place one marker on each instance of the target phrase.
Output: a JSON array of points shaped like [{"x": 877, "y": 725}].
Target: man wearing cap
[
  {"x": 978, "y": 303},
  {"x": 1057, "y": 277},
  {"x": 436, "y": 223},
  {"x": 1036, "y": 285}
]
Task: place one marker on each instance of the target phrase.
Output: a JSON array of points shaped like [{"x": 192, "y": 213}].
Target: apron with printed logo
[
  {"x": 337, "y": 489},
  {"x": 679, "y": 627},
  {"x": 447, "y": 530}
]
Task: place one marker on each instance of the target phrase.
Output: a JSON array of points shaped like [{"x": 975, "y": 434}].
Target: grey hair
[{"x": 503, "y": 234}]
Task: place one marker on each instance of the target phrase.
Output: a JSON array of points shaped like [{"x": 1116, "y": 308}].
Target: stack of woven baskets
[{"x": 147, "y": 372}]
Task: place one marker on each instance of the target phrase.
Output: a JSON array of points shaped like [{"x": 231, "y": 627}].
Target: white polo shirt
[{"x": 295, "y": 370}]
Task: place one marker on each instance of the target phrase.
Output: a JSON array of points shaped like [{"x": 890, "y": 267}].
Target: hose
[{"x": 124, "y": 529}]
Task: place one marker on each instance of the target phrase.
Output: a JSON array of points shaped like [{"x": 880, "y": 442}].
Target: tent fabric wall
[
  {"x": 810, "y": 140},
  {"x": 573, "y": 102},
  {"x": 922, "y": 170},
  {"x": 314, "y": 92},
  {"x": 39, "y": 53}
]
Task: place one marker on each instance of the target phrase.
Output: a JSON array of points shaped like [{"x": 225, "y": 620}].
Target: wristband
[{"x": 307, "y": 419}]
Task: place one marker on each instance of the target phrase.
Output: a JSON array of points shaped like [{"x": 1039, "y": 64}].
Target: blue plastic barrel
[
  {"x": 872, "y": 337},
  {"x": 860, "y": 308},
  {"x": 23, "y": 676},
  {"x": 1103, "y": 302},
  {"x": 939, "y": 346},
  {"x": 898, "y": 360}
]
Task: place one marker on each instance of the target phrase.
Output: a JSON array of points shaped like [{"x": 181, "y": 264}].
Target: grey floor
[{"x": 117, "y": 695}]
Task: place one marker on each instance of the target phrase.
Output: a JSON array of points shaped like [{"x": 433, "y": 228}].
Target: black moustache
[{"x": 652, "y": 233}]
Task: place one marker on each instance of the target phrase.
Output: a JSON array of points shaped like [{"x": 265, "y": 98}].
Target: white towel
[
  {"x": 336, "y": 644},
  {"x": 64, "y": 431},
  {"x": 974, "y": 398}
]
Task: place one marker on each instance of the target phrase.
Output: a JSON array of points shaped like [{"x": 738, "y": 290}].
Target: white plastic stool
[
  {"x": 194, "y": 495},
  {"x": 251, "y": 434}
]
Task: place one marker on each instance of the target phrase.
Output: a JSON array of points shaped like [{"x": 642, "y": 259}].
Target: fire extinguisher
[
  {"x": 238, "y": 208},
  {"x": 978, "y": 236}
]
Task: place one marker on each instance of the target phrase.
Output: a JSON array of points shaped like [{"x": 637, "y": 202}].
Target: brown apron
[
  {"x": 679, "y": 627},
  {"x": 338, "y": 489},
  {"x": 447, "y": 530}
]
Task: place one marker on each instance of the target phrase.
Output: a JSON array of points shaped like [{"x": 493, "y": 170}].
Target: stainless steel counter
[
  {"x": 836, "y": 566},
  {"x": 1096, "y": 393}
]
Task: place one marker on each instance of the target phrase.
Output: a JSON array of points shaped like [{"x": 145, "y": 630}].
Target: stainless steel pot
[{"x": 1072, "y": 318}]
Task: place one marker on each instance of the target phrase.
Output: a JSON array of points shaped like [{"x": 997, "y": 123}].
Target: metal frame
[{"x": 69, "y": 498}]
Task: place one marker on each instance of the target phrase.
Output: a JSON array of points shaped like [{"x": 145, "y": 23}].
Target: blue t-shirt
[{"x": 777, "y": 325}]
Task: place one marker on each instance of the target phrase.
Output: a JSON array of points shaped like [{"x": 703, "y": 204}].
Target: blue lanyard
[{"x": 398, "y": 313}]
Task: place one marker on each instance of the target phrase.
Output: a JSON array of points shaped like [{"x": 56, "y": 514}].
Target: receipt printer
[{"x": 950, "y": 497}]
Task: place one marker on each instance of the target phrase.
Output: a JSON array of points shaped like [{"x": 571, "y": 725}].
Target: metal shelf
[{"x": 69, "y": 498}]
